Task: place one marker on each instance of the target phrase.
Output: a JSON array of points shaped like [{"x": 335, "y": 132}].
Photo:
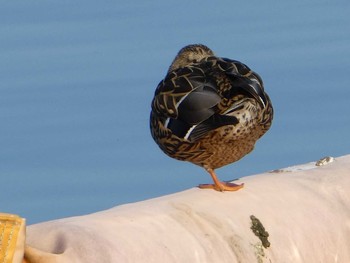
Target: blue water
[{"x": 77, "y": 81}]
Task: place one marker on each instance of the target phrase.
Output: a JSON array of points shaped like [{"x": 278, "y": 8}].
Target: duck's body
[{"x": 209, "y": 111}]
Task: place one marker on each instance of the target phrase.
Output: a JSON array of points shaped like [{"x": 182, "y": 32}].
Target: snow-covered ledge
[{"x": 296, "y": 214}]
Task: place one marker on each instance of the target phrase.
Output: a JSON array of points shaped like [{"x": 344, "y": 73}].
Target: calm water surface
[{"x": 77, "y": 81}]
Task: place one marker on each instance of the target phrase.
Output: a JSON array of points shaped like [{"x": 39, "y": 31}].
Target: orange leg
[{"x": 220, "y": 186}]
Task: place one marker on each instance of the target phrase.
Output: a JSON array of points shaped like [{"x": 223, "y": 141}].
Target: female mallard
[{"x": 209, "y": 111}]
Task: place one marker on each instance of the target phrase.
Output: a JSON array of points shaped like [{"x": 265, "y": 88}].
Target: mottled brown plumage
[{"x": 209, "y": 111}]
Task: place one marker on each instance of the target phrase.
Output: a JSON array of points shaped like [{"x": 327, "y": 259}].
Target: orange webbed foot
[
  {"x": 218, "y": 185},
  {"x": 222, "y": 186}
]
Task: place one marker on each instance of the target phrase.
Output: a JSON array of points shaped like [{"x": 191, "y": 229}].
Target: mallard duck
[{"x": 209, "y": 111}]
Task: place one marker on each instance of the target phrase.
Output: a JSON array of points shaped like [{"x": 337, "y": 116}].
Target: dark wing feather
[
  {"x": 195, "y": 108},
  {"x": 174, "y": 88},
  {"x": 212, "y": 123},
  {"x": 243, "y": 80},
  {"x": 198, "y": 105}
]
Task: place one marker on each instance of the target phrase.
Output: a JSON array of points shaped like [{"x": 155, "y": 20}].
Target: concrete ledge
[{"x": 297, "y": 214}]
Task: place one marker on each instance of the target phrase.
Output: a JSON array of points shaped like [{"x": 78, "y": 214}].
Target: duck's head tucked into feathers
[
  {"x": 190, "y": 54},
  {"x": 209, "y": 110}
]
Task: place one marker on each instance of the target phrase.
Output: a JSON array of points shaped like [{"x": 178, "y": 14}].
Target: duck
[{"x": 209, "y": 111}]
